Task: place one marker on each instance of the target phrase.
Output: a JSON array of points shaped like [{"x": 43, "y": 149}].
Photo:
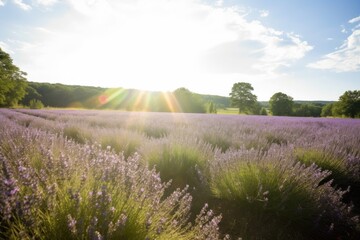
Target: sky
[{"x": 309, "y": 50}]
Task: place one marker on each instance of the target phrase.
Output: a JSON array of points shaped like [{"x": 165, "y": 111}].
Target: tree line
[
  {"x": 15, "y": 90},
  {"x": 281, "y": 104},
  {"x": 69, "y": 96}
]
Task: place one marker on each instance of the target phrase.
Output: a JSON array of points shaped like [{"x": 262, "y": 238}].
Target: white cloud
[
  {"x": 5, "y": 47},
  {"x": 264, "y": 13},
  {"x": 354, "y": 20},
  {"x": 157, "y": 45},
  {"x": 2, "y": 3},
  {"x": 22, "y": 5},
  {"x": 343, "y": 29},
  {"x": 345, "y": 59},
  {"x": 330, "y": 39},
  {"x": 219, "y": 3}
]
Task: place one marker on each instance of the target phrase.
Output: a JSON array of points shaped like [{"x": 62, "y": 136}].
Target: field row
[{"x": 120, "y": 175}]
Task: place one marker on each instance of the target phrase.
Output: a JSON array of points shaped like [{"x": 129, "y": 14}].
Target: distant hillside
[
  {"x": 61, "y": 95},
  {"x": 314, "y": 102},
  {"x": 219, "y": 101}
]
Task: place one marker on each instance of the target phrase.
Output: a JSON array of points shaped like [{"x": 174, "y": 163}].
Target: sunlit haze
[{"x": 205, "y": 46}]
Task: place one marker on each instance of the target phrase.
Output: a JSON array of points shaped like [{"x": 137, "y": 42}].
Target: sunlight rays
[{"x": 172, "y": 102}]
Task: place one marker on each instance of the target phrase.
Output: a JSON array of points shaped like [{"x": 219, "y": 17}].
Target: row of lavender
[
  {"x": 269, "y": 177},
  {"x": 53, "y": 188}
]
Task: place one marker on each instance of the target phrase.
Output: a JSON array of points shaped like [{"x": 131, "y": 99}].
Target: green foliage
[
  {"x": 263, "y": 111},
  {"x": 120, "y": 144},
  {"x": 76, "y": 134},
  {"x": 281, "y": 104},
  {"x": 264, "y": 194},
  {"x": 62, "y": 190},
  {"x": 273, "y": 201},
  {"x": 217, "y": 141},
  {"x": 36, "y": 104},
  {"x": 349, "y": 103},
  {"x": 189, "y": 102},
  {"x": 326, "y": 111},
  {"x": 232, "y": 111},
  {"x": 307, "y": 110},
  {"x": 272, "y": 138},
  {"x": 12, "y": 81},
  {"x": 178, "y": 162},
  {"x": 337, "y": 110},
  {"x": 327, "y": 160},
  {"x": 155, "y": 132},
  {"x": 212, "y": 108},
  {"x": 242, "y": 98},
  {"x": 219, "y": 101}
]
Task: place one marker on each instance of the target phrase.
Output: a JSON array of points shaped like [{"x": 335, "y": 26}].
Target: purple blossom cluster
[
  {"x": 120, "y": 175},
  {"x": 53, "y": 187}
]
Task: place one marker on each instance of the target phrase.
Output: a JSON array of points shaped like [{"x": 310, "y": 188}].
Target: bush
[
  {"x": 263, "y": 112},
  {"x": 121, "y": 141},
  {"x": 326, "y": 161},
  {"x": 180, "y": 163},
  {"x": 76, "y": 133},
  {"x": 36, "y": 104},
  {"x": 72, "y": 191},
  {"x": 217, "y": 141},
  {"x": 264, "y": 194}
]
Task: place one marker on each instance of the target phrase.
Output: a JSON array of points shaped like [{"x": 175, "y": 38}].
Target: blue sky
[{"x": 307, "y": 49}]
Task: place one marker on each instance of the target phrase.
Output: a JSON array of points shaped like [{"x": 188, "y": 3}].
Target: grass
[
  {"x": 180, "y": 163},
  {"x": 111, "y": 180},
  {"x": 76, "y": 134},
  {"x": 264, "y": 196},
  {"x": 122, "y": 141},
  {"x": 217, "y": 141},
  {"x": 95, "y": 195},
  {"x": 231, "y": 111},
  {"x": 326, "y": 160}
]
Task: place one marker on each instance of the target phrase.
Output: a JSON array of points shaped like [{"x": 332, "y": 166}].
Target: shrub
[
  {"x": 83, "y": 192},
  {"x": 36, "y": 104},
  {"x": 183, "y": 164},
  {"x": 326, "y": 160},
  {"x": 263, "y": 112},
  {"x": 152, "y": 131},
  {"x": 76, "y": 133},
  {"x": 268, "y": 193},
  {"x": 217, "y": 141},
  {"x": 121, "y": 141}
]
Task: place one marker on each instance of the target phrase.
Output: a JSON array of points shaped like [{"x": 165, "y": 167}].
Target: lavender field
[{"x": 69, "y": 174}]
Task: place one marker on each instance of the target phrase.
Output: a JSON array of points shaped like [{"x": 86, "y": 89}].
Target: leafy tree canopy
[
  {"x": 242, "y": 98},
  {"x": 326, "y": 111},
  {"x": 189, "y": 102},
  {"x": 307, "y": 110},
  {"x": 12, "y": 81},
  {"x": 281, "y": 104},
  {"x": 349, "y": 103}
]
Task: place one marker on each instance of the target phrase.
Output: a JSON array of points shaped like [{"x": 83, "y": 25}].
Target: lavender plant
[
  {"x": 55, "y": 188},
  {"x": 272, "y": 190},
  {"x": 107, "y": 178},
  {"x": 183, "y": 161}
]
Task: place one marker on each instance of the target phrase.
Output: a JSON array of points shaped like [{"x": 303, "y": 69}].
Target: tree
[
  {"x": 212, "y": 108},
  {"x": 326, "y": 111},
  {"x": 281, "y": 104},
  {"x": 263, "y": 111},
  {"x": 36, "y": 104},
  {"x": 307, "y": 110},
  {"x": 242, "y": 98},
  {"x": 188, "y": 101},
  {"x": 12, "y": 81},
  {"x": 349, "y": 103}
]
